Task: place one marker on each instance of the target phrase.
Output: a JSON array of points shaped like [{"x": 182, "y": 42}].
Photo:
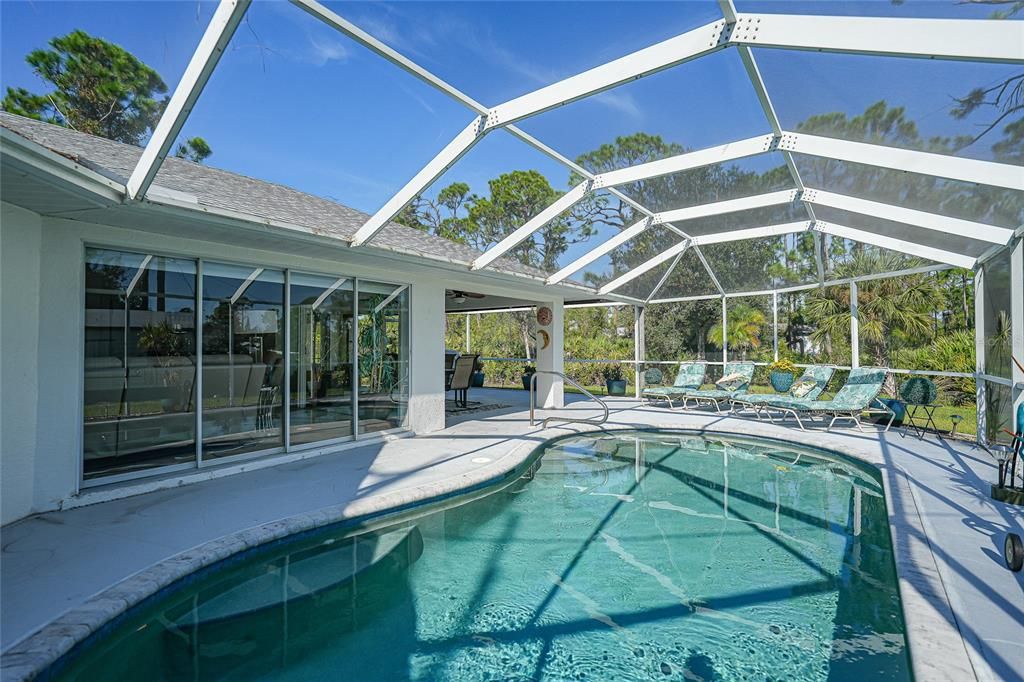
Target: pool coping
[{"x": 938, "y": 650}]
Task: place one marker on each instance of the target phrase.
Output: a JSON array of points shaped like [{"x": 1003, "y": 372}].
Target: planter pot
[
  {"x": 526, "y": 382},
  {"x": 615, "y": 386},
  {"x": 782, "y": 381},
  {"x": 477, "y": 380},
  {"x": 897, "y": 406}
]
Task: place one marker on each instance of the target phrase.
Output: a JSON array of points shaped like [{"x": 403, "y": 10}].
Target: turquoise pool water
[{"x": 634, "y": 556}]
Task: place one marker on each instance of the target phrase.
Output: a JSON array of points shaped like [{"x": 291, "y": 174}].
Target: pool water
[{"x": 633, "y": 556}]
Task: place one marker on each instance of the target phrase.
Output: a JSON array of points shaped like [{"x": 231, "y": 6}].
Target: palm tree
[
  {"x": 744, "y": 324},
  {"x": 890, "y": 311}
]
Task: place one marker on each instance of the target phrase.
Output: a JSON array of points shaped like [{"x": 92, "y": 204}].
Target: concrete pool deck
[{"x": 964, "y": 609}]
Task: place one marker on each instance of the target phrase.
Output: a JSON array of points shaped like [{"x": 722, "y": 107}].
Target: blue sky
[{"x": 295, "y": 102}]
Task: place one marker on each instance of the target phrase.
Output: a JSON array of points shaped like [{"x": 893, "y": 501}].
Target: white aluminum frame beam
[
  {"x": 909, "y": 216},
  {"x": 954, "y": 39},
  {"x": 907, "y": 160},
  {"x": 563, "y": 203},
  {"x": 646, "y": 266},
  {"x": 914, "y": 249},
  {"x": 752, "y": 233},
  {"x": 225, "y": 21},
  {"x": 786, "y": 196},
  {"x": 684, "y": 47},
  {"x": 434, "y": 169},
  {"x": 682, "y": 162},
  {"x": 601, "y": 250},
  {"x": 703, "y": 210}
]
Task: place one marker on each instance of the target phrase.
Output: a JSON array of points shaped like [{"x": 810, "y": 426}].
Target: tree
[
  {"x": 483, "y": 221},
  {"x": 743, "y": 329},
  {"x": 193, "y": 149},
  {"x": 100, "y": 89},
  {"x": 892, "y": 312}
]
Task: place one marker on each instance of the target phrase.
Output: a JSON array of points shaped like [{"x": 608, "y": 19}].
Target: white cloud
[{"x": 322, "y": 50}]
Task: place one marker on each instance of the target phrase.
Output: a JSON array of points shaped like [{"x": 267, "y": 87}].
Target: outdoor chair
[
  {"x": 919, "y": 394},
  {"x": 819, "y": 374},
  {"x": 462, "y": 375},
  {"x": 689, "y": 377},
  {"x": 858, "y": 395},
  {"x": 741, "y": 373}
]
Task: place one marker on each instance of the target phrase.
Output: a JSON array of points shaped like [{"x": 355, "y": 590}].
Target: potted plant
[
  {"x": 477, "y": 379},
  {"x": 614, "y": 382},
  {"x": 528, "y": 372},
  {"x": 782, "y": 374}
]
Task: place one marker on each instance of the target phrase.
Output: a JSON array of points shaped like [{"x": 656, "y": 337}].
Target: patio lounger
[
  {"x": 858, "y": 395},
  {"x": 819, "y": 374},
  {"x": 689, "y": 377},
  {"x": 717, "y": 396}
]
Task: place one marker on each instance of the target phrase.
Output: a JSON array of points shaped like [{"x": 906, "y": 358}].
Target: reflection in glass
[
  {"x": 243, "y": 358},
  {"x": 383, "y": 356},
  {"x": 139, "y": 362},
  {"x": 997, "y": 314},
  {"x": 321, "y": 358}
]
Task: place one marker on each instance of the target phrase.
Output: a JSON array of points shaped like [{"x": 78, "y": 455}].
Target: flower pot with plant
[
  {"x": 782, "y": 374},
  {"x": 528, "y": 372},
  {"x": 614, "y": 381}
]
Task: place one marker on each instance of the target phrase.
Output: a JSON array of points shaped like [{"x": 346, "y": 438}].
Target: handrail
[{"x": 533, "y": 400}]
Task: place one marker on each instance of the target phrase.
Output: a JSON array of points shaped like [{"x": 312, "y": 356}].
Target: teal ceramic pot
[
  {"x": 477, "y": 380},
  {"x": 616, "y": 386},
  {"x": 897, "y": 406},
  {"x": 782, "y": 381}
]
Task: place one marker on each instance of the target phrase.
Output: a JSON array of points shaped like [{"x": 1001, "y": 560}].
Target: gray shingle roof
[{"x": 217, "y": 188}]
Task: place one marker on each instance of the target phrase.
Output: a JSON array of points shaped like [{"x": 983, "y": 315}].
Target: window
[
  {"x": 243, "y": 359},
  {"x": 140, "y": 324},
  {"x": 383, "y": 345},
  {"x": 144, "y": 400},
  {"x": 320, "y": 315}
]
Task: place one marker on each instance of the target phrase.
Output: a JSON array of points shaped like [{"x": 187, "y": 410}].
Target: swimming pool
[{"x": 625, "y": 555}]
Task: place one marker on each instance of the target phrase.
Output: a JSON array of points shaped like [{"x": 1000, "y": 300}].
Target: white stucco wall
[
  {"x": 42, "y": 317},
  {"x": 20, "y": 234}
]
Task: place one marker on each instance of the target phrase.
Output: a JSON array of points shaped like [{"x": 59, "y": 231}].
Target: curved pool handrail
[{"x": 533, "y": 400}]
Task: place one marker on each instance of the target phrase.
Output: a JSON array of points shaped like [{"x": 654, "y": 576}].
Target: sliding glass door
[
  {"x": 140, "y": 325},
  {"x": 179, "y": 350},
  {"x": 243, "y": 359},
  {"x": 383, "y": 345},
  {"x": 321, "y": 313}
]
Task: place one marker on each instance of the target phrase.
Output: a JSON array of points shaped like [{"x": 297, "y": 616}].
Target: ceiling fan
[{"x": 461, "y": 296}]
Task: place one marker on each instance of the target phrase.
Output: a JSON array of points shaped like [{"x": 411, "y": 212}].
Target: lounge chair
[
  {"x": 689, "y": 377},
  {"x": 858, "y": 395},
  {"x": 744, "y": 371},
  {"x": 819, "y": 374}
]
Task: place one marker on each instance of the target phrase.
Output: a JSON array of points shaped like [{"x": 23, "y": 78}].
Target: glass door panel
[
  {"x": 140, "y": 322},
  {"x": 383, "y": 356},
  {"x": 243, "y": 359},
  {"x": 321, "y": 314}
]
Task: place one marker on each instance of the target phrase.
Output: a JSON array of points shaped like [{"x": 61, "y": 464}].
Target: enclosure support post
[
  {"x": 550, "y": 387},
  {"x": 725, "y": 335},
  {"x": 469, "y": 346},
  {"x": 854, "y": 327},
  {"x": 1017, "y": 330},
  {"x": 979, "y": 354},
  {"x": 775, "y": 325},
  {"x": 639, "y": 347}
]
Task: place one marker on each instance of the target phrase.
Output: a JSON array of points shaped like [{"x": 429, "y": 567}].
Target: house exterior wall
[
  {"x": 20, "y": 250},
  {"x": 42, "y": 277}
]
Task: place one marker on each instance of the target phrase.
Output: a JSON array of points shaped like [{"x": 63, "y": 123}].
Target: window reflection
[
  {"x": 383, "y": 356},
  {"x": 243, "y": 360},
  {"x": 139, "y": 362},
  {"x": 321, "y": 358}
]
